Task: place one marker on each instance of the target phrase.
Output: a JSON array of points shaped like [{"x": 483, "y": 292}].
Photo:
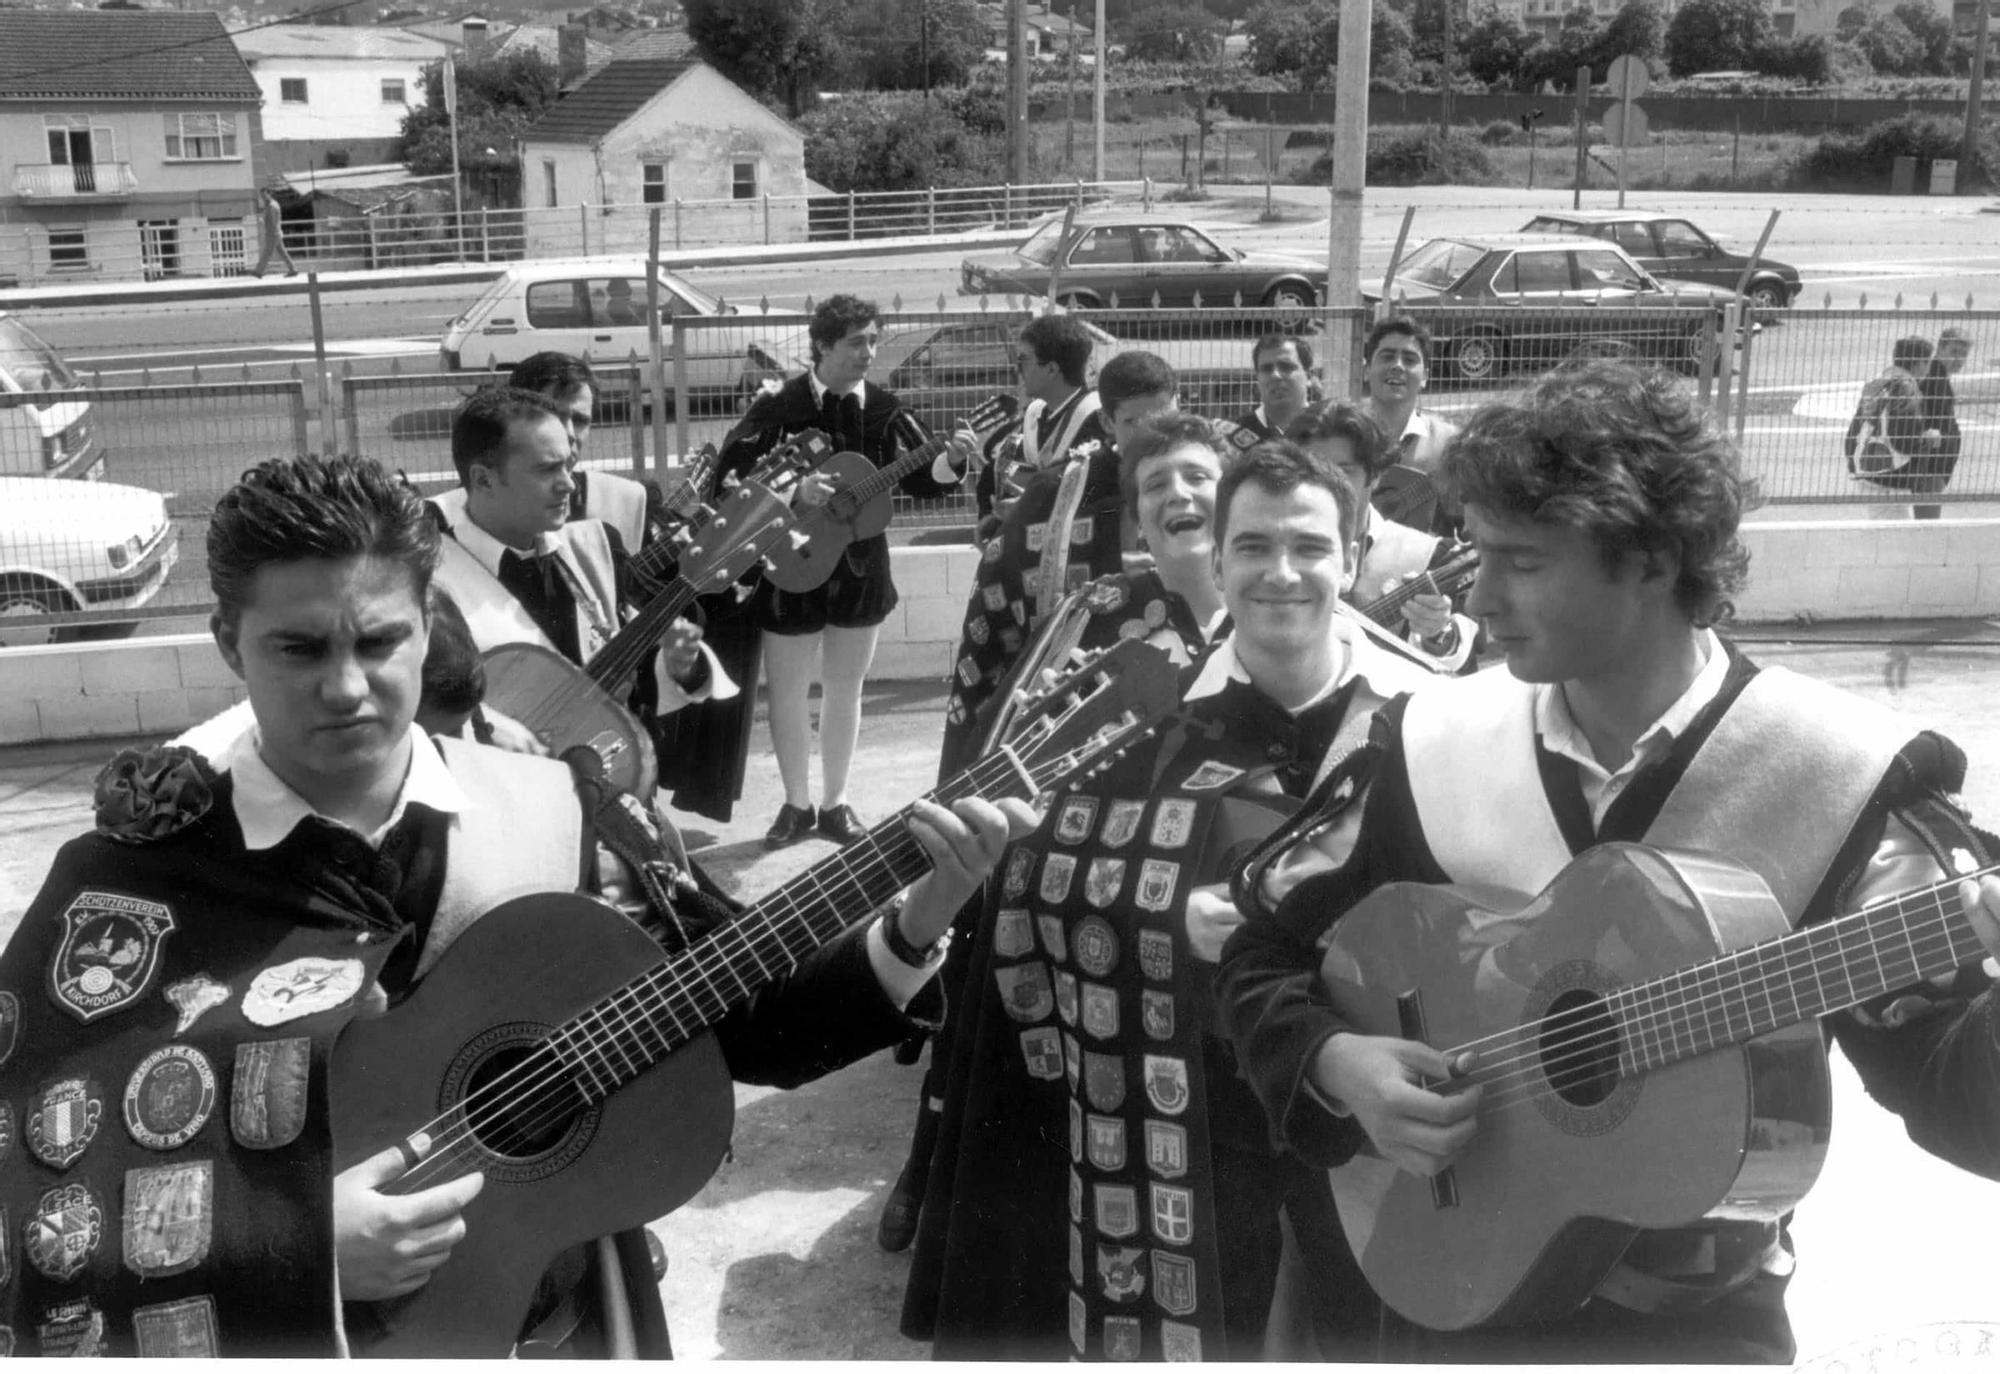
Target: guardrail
[{"x": 1787, "y": 392}]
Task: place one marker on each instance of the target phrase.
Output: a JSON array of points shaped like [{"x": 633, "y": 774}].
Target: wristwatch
[{"x": 915, "y": 956}]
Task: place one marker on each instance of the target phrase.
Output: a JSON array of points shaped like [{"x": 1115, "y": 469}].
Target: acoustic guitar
[
  {"x": 1448, "y": 579},
  {"x": 1648, "y": 1053},
  {"x": 566, "y": 705},
  {"x": 860, "y": 506},
  {"x": 559, "y": 1051}
]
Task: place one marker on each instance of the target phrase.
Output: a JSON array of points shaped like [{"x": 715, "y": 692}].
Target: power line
[{"x": 185, "y": 43}]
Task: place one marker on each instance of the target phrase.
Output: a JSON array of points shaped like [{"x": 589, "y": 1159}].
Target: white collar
[
  {"x": 1560, "y": 733},
  {"x": 859, "y": 391},
  {"x": 487, "y": 550},
  {"x": 268, "y": 809},
  {"x": 1222, "y": 667}
]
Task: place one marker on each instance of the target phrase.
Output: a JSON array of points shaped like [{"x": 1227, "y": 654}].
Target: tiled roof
[
  {"x": 120, "y": 55},
  {"x": 655, "y": 45},
  {"x": 604, "y": 101},
  {"x": 320, "y": 40}
]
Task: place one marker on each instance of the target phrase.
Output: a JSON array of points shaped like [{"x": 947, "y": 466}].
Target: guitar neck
[
  {"x": 652, "y": 1016},
  {"x": 1448, "y": 580},
  {"x": 627, "y": 649},
  {"x": 1798, "y": 977}
]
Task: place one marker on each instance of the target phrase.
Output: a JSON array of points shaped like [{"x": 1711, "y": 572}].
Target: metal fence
[
  {"x": 409, "y": 234},
  {"x": 83, "y": 556}
]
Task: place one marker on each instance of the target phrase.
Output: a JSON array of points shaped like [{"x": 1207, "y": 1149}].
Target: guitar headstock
[
  {"x": 791, "y": 460},
  {"x": 747, "y": 524},
  {"x": 684, "y": 501},
  {"x": 1087, "y": 718}
]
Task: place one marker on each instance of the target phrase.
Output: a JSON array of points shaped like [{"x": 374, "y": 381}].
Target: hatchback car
[
  {"x": 596, "y": 309},
  {"x": 1670, "y": 246},
  {"x": 1495, "y": 302},
  {"x": 78, "y": 546},
  {"x": 45, "y": 423},
  {"x": 1133, "y": 260}
]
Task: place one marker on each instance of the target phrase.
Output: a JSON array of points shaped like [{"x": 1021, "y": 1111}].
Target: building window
[
  {"x": 292, "y": 90},
  {"x": 549, "y": 182},
  {"x": 201, "y": 137},
  {"x": 743, "y": 180},
  {"x": 653, "y": 183},
  {"x": 69, "y": 248},
  {"x": 226, "y": 248},
  {"x": 393, "y": 91}
]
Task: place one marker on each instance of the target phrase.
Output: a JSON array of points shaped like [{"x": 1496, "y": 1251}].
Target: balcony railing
[{"x": 73, "y": 180}]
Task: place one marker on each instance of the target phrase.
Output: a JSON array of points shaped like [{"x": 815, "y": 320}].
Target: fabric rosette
[{"x": 147, "y": 794}]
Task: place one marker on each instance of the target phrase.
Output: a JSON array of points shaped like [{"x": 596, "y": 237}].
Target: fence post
[
  {"x": 635, "y": 391},
  {"x": 328, "y": 435},
  {"x": 583, "y": 225},
  {"x": 680, "y": 391},
  {"x": 930, "y": 210},
  {"x": 677, "y": 222},
  {"x": 301, "y": 438},
  {"x": 350, "y": 409},
  {"x": 1007, "y": 206},
  {"x": 850, "y": 216},
  {"x": 485, "y": 242},
  {"x": 767, "y": 217}
]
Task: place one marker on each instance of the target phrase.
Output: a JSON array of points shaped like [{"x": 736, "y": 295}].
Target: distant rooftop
[
  {"x": 607, "y": 99},
  {"x": 120, "y": 54},
  {"x": 312, "y": 40}
]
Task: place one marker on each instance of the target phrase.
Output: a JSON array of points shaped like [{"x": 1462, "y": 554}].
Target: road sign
[
  {"x": 1625, "y": 125},
  {"x": 1628, "y": 77}
]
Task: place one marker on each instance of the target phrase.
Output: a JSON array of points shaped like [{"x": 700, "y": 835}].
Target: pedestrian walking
[{"x": 271, "y": 231}]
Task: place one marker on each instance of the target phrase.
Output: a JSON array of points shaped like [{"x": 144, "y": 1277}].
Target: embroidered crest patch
[
  {"x": 1173, "y": 1282},
  {"x": 1156, "y": 953},
  {"x": 1041, "y": 1049},
  {"x": 1095, "y": 945},
  {"x": 1072, "y": 1064},
  {"x": 303, "y": 987},
  {"x": 1117, "y": 1209},
  {"x": 267, "y": 1092},
  {"x": 1057, "y": 870},
  {"x": 1104, "y": 1080},
  {"x": 1019, "y": 864},
  {"x": 1156, "y": 1014},
  {"x": 1156, "y": 884},
  {"x": 73, "y": 1328},
  {"x": 64, "y": 1232},
  {"x": 1102, "y": 880},
  {"x": 10, "y": 1024},
  {"x": 63, "y": 1119},
  {"x": 1074, "y": 820},
  {"x": 1121, "y": 1336},
  {"x": 1180, "y": 1343},
  {"x": 1121, "y": 823},
  {"x": 110, "y": 951},
  {"x": 1075, "y": 1132},
  {"x": 1076, "y": 1257},
  {"x": 1025, "y": 991},
  {"x": 1100, "y": 1011},
  {"x": 1079, "y": 1321},
  {"x": 1075, "y": 1196},
  {"x": 1173, "y": 823},
  {"x": 1173, "y": 1222},
  {"x": 1012, "y": 934},
  {"x": 1066, "y": 1001},
  {"x": 184, "y": 1329},
  {"x": 169, "y": 1097},
  {"x": 1211, "y": 777},
  {"x": 1053, "y": 939},
  {"x": 6, "y": 1140},
  {"x": 1167, "y": 1083},
  {"x": 1104, "y": 1142},
  {"x": 1166, "y": 1149},
  {"x": 169, "y": 1217},
  {"x": 193, "y": 998},
  {"x": 1121, "y": 1277}
]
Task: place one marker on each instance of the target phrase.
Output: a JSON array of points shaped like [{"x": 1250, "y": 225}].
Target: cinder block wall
[{"x": 1826, "y": 570}]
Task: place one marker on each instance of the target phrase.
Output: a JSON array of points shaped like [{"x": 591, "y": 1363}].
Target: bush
[
  {"x": 1865, "y": 161},
  {"x": 897, "y": 143},
  {"x": 1416, "y": 158},
  {"x": 1499, "y": 131}
]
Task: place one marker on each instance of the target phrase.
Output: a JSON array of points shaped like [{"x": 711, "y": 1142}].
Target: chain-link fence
[{"x": 168, "y": 437}]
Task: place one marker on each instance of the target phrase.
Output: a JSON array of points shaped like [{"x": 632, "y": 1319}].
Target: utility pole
[
  {"x": 1097, "y": 161},
  {"x": 1017, "y": 92},
  {"x": 924, "y": 43},
  {"x": 1444, "y": 78},
  {"x": 1069, "y": 100},
  {"x": 457, "y": 183},
  {"x": 1968, "y": 156},
  {"x": 1350, "y": 175}
]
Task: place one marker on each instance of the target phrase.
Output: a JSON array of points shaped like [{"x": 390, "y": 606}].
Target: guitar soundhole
[
  {"x": 517, "y": 1101},
  {"x": 1579, "y": 1048}
]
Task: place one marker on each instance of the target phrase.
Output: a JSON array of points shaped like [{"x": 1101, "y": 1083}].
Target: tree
[
  {"x": 888, "y": 43},
  {"x": 780, "y": 49},
  {"x": 498, "y": 98},
  {"x": 897, "y": 143},
  {"x": 1932, "y": 32},
  {"x": 1172, "y": 32},
  {"x": 1716, "y": 35},
  {"x": 1638, "y": 28},
  {"x": 1287, "y": 37},
  {"x": 1495, "y": 48},
  {"x": 1891, "y": 48}
]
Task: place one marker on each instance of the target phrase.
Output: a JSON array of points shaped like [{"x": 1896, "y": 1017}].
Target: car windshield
[
  {"x": 1041, "y": 246},
  {"x": 703, "y": 303},
  {"x": 1439, "y": 263},
  {"x": 32, "y": 366}
]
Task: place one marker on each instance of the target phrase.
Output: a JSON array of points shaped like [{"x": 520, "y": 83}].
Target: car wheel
[
  {"x": 1291, "y": 296},
  {"x": 1077, "y": 300},
  {"x": 1479, "y": 357},
  {"x": 18, "y": 602},
  {"x": 1695, "y": 354},
  {"x": 1768, "y": 294}
]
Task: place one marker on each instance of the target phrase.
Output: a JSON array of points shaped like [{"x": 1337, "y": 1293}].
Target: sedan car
[
  {"x": 78, "y": 546},
  {"x": 1143, "y": 260},
  {"x": 1670, "y": 246},
  {"x": 1495, "y": 302},
  {"x": 45, "y": 427},
  {"x": 595, "y": 308}
]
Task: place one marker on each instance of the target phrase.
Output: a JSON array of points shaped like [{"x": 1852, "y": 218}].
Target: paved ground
[{"x": 776, "y": 1258}]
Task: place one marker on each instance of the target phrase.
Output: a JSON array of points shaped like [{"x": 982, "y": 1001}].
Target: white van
[
  {"x": 45, "y": 428},
  {"x": 596, "y": 309}
]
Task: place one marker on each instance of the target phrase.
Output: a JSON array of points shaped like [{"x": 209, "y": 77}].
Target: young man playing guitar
[
  {"x": 173, "y": 997},
  {"x": 1604, "y": 506},
  {"x": 1103, "y": 1186},
  {"x": 1052, "y": 359}
]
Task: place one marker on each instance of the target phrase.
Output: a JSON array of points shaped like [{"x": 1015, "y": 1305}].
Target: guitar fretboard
[{"x": 1797, "y": 977}]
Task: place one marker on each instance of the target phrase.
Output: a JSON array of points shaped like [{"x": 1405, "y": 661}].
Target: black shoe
[
  {"x": 840, "y": 824},
  {"x": 898, "y": 1227},
  {"x": 794, "y": 823}
]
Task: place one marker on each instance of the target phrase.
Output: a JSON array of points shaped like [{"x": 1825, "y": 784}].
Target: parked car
[
  {"x": 1132, "y": 259},
  {"x": 45, "y": 423},
  {"x": 596, "y": 309},
  {"x": 1493, "y": 302},
  {"x": 1670, "y": 246},
  {"x": 77, "y": 546}
]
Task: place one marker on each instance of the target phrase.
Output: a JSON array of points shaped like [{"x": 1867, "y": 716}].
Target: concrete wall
[
  {"x": 343, "y": 101},
  {"x": 1857, "y": 570}
]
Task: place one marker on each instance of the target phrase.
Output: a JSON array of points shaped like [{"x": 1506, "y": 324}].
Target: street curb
[{"x": 455, "y": 274}]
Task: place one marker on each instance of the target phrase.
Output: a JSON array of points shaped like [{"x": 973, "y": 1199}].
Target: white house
[
  {"x": 636, "y": 134},
  {"x": 336, "y": 90}
]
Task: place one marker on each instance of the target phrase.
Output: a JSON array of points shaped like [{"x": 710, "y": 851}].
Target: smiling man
[
  {"x": 1605, "y": 508},
  {"x": 1395, "y": 370},
  {"x": 170, "y": 1005},
  {"x": 1105, "y": 1187}
]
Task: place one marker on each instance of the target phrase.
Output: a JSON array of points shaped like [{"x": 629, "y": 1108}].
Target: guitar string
[
  {"x": 1827, "y": 943},
  {"x": 1606, "y": 1017},
  {"x": 883, "y": 478},
  {"x": 694, "y": 968},
  {"x": 897, "y": 846},
  {"x": 1391, "y": 601}
]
